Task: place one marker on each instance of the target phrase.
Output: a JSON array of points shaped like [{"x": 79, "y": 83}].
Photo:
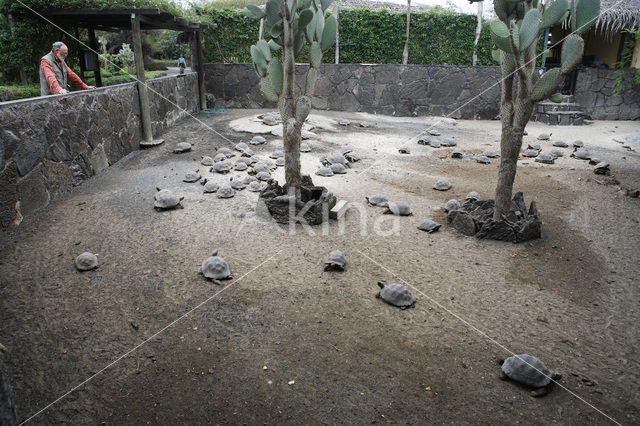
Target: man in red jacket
[{"x": 54, "y": 73}]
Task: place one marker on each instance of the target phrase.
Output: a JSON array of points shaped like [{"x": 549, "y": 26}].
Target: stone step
[
  {"x": 560, "y": 118},
  {"x": 552, "y": 106}
]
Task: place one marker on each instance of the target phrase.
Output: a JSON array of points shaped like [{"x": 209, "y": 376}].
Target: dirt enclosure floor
[{"x": 286, "y": 342}]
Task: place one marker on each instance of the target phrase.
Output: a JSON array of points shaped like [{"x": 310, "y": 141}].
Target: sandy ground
[{"x": 286, "y": 342}]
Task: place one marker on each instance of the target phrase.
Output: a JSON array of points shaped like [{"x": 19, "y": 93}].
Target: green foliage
[
  {"x": 626, "y": 76},
  {"x": 10, "y": 93},
  {"x": 366, "y": 36},
  {"x": 34, "y": 35}
]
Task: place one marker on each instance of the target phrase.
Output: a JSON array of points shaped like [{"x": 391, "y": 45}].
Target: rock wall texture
[
  {"x": 401, "y": 90},
  {"x": 49, "y": 144},
  {"x": 594, "y": 92},
  {"x": 415, "y": 90}
]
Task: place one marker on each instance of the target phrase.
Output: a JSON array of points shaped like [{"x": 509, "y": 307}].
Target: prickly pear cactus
[
  {"x": 290, "y": 26},
  {"x": 515, "y": 34}
]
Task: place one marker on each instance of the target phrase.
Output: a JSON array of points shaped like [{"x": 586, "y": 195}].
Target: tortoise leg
[
  {"x": 503, "y": 376},
  {"x": 556, "y": 376},
  {"x": 539, "y": 392}
]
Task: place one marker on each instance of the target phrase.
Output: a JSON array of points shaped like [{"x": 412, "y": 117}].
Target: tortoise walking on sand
[
  {"x": 166, "y": 200},
  {"x": 530, "y": 371},
  {"x": 396, "y": 295},
  {"x": 86, "y": 261},
  {"x": 335, "y": 261},
  {"x": 215, "y": 268}
]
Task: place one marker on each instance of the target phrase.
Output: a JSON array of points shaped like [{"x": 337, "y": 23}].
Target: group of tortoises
[
  {"x": 336, "y": 163},
  {"x": 393, "y": 294},
  {"x": 401, "y": 208}
]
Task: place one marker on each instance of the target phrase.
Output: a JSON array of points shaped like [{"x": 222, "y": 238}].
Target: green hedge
[
  {"x": 366, "y": 36},
  {"x": 11, "y": 93}
]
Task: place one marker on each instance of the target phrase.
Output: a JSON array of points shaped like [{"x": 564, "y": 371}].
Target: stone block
[
  {"x": 32, "y": 191},
  {"x": 339, "y": 209},
  {"x": 58, "y": 177},
  {"x": 29, "y": 153},
  {"x": 8, "y": 195},
  {"x": 99, "y": 160}
]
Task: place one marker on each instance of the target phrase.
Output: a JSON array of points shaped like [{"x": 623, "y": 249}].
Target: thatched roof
[{"x": 616, "y": 15}]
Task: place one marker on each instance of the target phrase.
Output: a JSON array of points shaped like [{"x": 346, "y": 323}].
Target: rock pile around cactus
[
  {"x": 278, "y": 202},
  {"x": 475, "y": 217}
]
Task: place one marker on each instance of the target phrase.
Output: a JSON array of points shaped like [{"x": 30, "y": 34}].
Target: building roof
[
  {"x": 107, "y": 19},
  {"x": 616, "y": 15}
]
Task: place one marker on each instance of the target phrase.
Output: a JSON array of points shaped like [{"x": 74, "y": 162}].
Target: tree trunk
[
  {"x": 337, "y": 12},
  {"x": 474, "y": 59},
  {"x": 291, "y": 131},
  {"x": 405, "y": 52}
]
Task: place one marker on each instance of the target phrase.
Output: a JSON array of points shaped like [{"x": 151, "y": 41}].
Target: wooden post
[
  {"x": 12, "y": 28},
  {"x": 203, "y": 99},
  {"x": 94, "y": 45},
  {"x": 145, "y": 116},
  {"x": 80, "y": 54}
]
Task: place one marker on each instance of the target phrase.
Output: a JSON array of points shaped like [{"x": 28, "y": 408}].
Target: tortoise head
[{"x": 381, "y": 284}]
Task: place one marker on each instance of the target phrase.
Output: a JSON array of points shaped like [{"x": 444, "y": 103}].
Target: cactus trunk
[{"x": 291, "y": 131}]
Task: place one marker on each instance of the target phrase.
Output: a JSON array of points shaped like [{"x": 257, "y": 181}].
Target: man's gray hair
[{"x": 57, "y": 45}]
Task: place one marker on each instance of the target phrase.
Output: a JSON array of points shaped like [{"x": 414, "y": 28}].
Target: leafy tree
[{"x": 127, "y": 56}]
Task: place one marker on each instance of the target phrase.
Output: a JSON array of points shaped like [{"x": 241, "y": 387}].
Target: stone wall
[
  {"x": 401, "y": 90},
  {"x": 49, "y": 144},
  {"x": 594, "y": 93}
]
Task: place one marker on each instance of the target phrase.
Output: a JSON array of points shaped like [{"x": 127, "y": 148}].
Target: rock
[
  {"x": 483, "y": 159},
  {"x": 601, "y": 168},
  {"x": 442, "y": 185},
  {"x": 314, "y": 201},
  {"x": 546, "y": 158},
  {"x": 463, "y": 223},
  {"x": 475, "y": 217},
  {"x": 497, "y": 230}
]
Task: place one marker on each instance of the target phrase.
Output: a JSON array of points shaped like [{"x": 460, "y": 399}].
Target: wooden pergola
[{"x": 136, "y": 20}]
